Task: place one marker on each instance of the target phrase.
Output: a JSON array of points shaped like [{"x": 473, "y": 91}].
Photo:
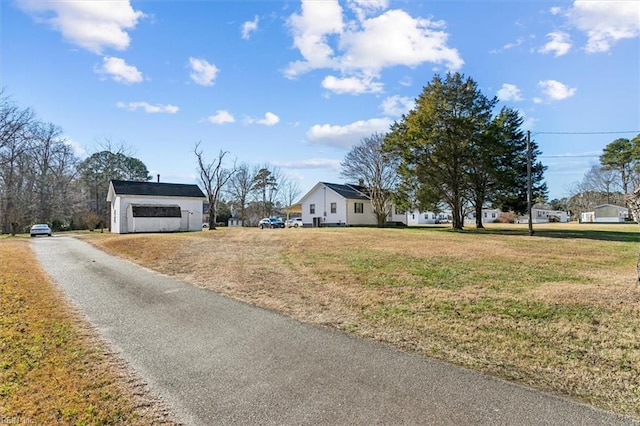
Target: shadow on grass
[{"x": 587, "y": 234}]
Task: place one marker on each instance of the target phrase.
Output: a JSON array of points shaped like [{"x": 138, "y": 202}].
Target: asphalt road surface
[{"x": 215, "y": 360}]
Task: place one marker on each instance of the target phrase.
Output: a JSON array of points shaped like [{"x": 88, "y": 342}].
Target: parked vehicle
[
  {"x": 271, "y": 222},
  {"x": 295, "y": 222},
  {"x": 40, "y": 229}
]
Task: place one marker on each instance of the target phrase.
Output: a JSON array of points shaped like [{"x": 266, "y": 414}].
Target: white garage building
[{"x": 154, "y": 207}]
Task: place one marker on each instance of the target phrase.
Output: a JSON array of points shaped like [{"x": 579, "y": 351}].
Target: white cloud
[
  {"x": 395, "y": 38},
  {"x": 92, "y": 25},
  {"x": 556, "y": 10},
  {"x": 559, "y": 45},
  {"x": 119, "y": 70},
  {"x": 509, "y": 92},
  {"x": 149, "y": 108},
  {"x": 312, "y": 163},
  {"x": 270, "y": 119},
  {"x": 353, "y": 85},
  {"x": 516, "y": 43},
  {"x": 364, "y": 8},
  {"x": 249, "y": 27},
  {"x": 397, "y": 105},
  {"x": 78, "y": 150},
  {"x": 202, "y": 72},
  {"x": 605, "y": 22},
  {"x": 221, "y": 117},
  {"x": 555, "y": 91},
  {"x": 346, "y": 136},
  {"x": 363, "y": 47},
  {"x": 311, "y": 29}
]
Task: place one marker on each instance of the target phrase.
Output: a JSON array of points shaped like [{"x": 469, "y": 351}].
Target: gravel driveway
[{"x": 214, "y": 360}]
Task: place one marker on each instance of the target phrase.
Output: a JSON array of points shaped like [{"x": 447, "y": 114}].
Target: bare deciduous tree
[
  {"x": 239, "y": 189},
  {"x": 214, "y": 177},
  {"x": 368, "y": 164}
]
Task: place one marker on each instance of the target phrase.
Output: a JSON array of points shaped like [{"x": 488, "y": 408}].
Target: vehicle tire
[
  {"x": 295, "y": 225},
  {"x": 32, "y": 235},
  {"x": 261, "y": 226},
  {"x": 49, "y": 234}
]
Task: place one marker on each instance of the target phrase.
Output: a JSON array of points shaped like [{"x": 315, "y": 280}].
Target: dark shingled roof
[
  {"x": 125, "y": 187},
  {"x": 351, "y": 192}
]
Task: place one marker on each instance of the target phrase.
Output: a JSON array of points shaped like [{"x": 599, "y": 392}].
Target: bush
[{"x": 506, "y": 217}]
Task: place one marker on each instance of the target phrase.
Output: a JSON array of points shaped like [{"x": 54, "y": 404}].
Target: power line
[
  {"x": 570, "y": 156},
  {"x": 586, "y": 133}
]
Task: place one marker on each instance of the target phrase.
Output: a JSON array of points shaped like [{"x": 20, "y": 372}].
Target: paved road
[{"x": 215, "y": 360}]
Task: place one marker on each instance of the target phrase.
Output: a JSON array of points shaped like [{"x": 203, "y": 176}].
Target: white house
[
  {"x": 545, "y": 216},
  {"x": 154, "y": 207},
  {"x": 488, "y": 215},
  {"x": 416, "y": 217},
  {"x": 605, "y": 213},
  {"x": 332, "y": 204}
]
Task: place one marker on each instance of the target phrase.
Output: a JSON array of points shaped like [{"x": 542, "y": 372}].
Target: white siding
[
  {"x": 122, "y": 220},
  {"x": 321, "y": 197}
]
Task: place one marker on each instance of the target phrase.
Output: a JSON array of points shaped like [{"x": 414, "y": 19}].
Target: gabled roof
[
  {"x": 125, "y": 187},
  {"x": 349, "y": 191}
]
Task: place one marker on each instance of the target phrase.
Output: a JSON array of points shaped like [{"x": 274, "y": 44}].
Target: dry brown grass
[
  {"x": 559, "y": 311},
  {"x": 53, "y": 370}
]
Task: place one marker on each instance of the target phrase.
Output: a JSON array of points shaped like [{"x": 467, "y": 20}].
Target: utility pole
[{"x": 529, "y": 193}]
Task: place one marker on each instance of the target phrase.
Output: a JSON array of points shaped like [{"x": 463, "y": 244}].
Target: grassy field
[
  {"x": 52, "y": 368},
  {"x": 559, "y": 311}
]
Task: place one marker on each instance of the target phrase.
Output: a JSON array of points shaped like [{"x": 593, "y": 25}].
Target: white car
[
  {"x": 296, "y": 222},
  {"x": 40, "y": 229}
]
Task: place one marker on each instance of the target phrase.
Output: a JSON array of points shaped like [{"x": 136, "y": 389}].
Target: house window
[
  {"x": 358, "y": 207},
  {"x": 426, "y": 216},
  {"x": 156, "y": 211},
  {"x": 334, "y": 208},
  {"x": 312, "y": 208}
]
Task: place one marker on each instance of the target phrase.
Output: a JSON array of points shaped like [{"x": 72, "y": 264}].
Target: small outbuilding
[{"x": 154, "y": 207}]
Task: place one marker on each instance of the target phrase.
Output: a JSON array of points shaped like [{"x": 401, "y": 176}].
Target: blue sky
[{"x": 295, "y": 84}]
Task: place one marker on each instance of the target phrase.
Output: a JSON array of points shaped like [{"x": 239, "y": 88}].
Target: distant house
[
  {"x": 154, "y": 207},
  {"x": 417, "y": 217},
  {"x": 488, "y": 215},
  {"x": 605, "y": 213},
  {"x": 332, "y": 204},
  {"x": 546, "y": 215}
]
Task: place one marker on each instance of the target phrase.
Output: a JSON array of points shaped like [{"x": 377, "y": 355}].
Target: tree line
[
  {"x": 42, "y": 180},
  {"x": 452, "y": 149}
]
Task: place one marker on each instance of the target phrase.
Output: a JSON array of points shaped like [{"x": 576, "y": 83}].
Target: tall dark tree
[
  {"x": 510, "y": 173},
  {"x": 266, "y": 184},
  {"x": 437, "y": 141},
  {"x": 101, "y": 167},
  {"x": 213, "y": 176},
  {"x": 377, "y": 170}
]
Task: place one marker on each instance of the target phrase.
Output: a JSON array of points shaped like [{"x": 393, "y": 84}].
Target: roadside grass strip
[{"x": 52, "y": 368}]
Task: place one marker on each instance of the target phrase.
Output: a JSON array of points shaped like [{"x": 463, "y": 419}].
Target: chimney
[{"x": 158, "y": 177}]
